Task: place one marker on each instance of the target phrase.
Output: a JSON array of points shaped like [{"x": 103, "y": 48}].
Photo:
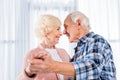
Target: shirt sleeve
[{"x": 89, "y": 66}]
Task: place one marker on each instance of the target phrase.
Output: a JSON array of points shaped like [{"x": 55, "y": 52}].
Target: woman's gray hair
[
  {"x": 45, "y": 24},
  {"x": 78, "y": 15}
]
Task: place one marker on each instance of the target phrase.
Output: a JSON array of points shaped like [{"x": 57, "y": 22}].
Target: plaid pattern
[{"x": 93, "y": 59}]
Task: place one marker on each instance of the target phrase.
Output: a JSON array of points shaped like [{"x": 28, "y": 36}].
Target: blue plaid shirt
[{"x": 93, "y": 59}]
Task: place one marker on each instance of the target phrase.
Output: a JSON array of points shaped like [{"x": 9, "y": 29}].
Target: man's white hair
[{"x": 78, "y": 15}]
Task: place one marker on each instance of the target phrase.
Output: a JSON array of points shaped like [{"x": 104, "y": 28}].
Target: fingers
[
  {"x": 34, "y": 66},
  {"x": 39, "y": 62},
  {"x": 34, "y": 61},
  {"x": 38, "y": 66},
  {"x": 39, "y": 55}
]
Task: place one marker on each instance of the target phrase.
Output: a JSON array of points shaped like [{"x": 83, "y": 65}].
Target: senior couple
[{"x": 92, "y": 60}]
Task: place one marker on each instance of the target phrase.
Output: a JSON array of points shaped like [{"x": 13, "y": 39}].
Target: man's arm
[
  {"x": 64, "y": 68},
  {"x": 90, "y": 65},
  {"x": 43, "y": 63}
]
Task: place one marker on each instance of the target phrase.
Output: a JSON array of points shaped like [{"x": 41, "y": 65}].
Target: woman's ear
[{"x": 46, "y": 34}]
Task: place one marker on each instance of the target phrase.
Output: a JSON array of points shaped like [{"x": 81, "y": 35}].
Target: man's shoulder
[{"x": 98, "y": 38}]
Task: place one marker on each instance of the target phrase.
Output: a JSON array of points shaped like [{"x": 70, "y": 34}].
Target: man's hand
[{"x": 40, "y": 63}]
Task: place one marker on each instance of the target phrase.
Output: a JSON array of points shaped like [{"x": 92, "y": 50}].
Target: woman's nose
[
  {"x": 60, "y": 32},
  {"x": 64, "y": 31}
]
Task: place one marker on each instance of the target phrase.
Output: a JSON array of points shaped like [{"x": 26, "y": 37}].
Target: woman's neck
[{"x": 44, "y": 45}]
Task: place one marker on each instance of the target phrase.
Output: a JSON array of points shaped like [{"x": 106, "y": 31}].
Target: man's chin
[{"x": 72, "y": 41}]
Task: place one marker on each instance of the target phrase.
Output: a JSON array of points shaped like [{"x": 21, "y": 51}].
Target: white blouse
[{"x": 56, "y": 57}]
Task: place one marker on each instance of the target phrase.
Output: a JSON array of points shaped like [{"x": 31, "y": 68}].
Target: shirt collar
[{"x": 84, "y": 39}]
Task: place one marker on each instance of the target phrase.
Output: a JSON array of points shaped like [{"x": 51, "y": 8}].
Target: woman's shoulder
[
  {"x": 61, "y": 50},
  {"x": 32, "y": 52},
  {"x": 64, "y": 55}
]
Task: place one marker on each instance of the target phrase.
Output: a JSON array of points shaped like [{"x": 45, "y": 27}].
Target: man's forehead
[
  {"x": 67, "y": 19},
  {"x": 66, "y": 22}
]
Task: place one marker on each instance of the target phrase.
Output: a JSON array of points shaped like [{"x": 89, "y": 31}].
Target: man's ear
[{"x": 78, "y": 21}]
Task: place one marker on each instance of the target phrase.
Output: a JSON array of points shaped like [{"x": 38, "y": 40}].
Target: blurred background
[{"x": 17, "y": 21}]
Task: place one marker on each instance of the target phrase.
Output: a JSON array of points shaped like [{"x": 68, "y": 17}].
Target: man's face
[{"x": 71, "y": 30}]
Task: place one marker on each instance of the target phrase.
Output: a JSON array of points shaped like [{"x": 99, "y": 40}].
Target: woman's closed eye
[{"x": 58, "y": 28}]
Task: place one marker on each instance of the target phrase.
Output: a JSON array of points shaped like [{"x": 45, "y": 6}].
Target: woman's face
[{"x": 54, "y": 35}]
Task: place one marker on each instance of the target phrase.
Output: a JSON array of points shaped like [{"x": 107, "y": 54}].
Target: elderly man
[{"x": 93, "y": 59}]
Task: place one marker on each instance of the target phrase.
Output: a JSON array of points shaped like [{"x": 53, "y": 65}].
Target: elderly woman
[{"x": 48, "y": 32}]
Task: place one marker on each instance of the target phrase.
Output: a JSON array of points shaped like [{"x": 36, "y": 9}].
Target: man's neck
[{"x": 83, "y": 33}]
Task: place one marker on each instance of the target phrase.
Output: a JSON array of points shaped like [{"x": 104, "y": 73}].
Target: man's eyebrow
[{"x": 65, "y": 25}]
